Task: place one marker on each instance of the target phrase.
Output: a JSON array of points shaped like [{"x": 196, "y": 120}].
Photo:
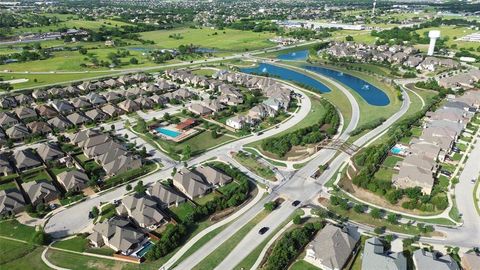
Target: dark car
[
  {"x": 447, "y": 173},
  {"x": 263, "y": 230},
  {"x": 295, "y": 203},
  {"x": 90, "y": 215}
]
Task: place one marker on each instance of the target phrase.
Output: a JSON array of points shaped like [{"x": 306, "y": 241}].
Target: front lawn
[
  {"x": 12, "y": 250},
  {"x": 249, "y": 161},
  {"x": 77, "y": 243},
  {"x": 81, "y": 262},
  {"x": 35, "y": 175},
  {"x": 303, "y": 265},
  {"x": 14, "y": 229}
]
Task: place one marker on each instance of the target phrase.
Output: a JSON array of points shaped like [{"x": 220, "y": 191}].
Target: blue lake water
[
  {"x": 370, "y": 93},
  {"x": 287, "y": 74},
  {"x": 294, "y": 56},
  {"x": 168, "y": 132}
]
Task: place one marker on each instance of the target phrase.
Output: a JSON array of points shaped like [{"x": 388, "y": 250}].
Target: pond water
[
  {"x": 294, "y": 56},
  {"x": 287, "y": 74},
  {"x": 370, "y": 93}
]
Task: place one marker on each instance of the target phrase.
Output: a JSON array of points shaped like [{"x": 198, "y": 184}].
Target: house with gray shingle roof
[
  {"x": 425, "y": 260},
  {"x": 117, "y": 233},
  {"x": 112, "y": 97},
  {"x": 8, "y": 119},
  {"x": 50, "y": 152},
  {"x": 190, "y": 183},
  {"x": 60, "y": 123},
  {"x": 129, "y": 105},
  {"x": 8, "y": 102},
  {"x": 96, "y": 115},
  {"x": 82, "y": 135},
  {"x": 73, "y": 180},
  {"x": 62, "y": 106},
  {"x": 81, "y": 103},
  {"x": 18, "y": 132},
  {"x": 213, "y": 176},
  {"x": 25, "y": 99},
  {"x": 199, "y": 109},
  {"x": 6, "y": 167},
  {"x": 142, "y": 209},
  {"x": 121, "y": 164},
  {"x": 332, "y": 247},
  {"x": 46, "y": 111},
  {"x": 165, "y": 196},
  {"x": 376, "y": 257},
  {"x": 96, "y": 99},
  {"x": 40, "y": 192},
  {"x": 40, "y": 94},
  {"x": 11, "y": 202},
  {"x": 78, "y": 119},
  {"x": 26, "y": 159},
  {"x": 112, "y": 110}
]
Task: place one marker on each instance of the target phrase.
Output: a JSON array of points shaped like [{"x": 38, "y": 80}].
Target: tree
[
  {"x": 349, "y": 38},
  {"x": 133, "y": 61},
  {"x": 187, "y": 152},
  {"x": 140, "y": 188},
  {"x": 214, "y": 134},
  {"x": 297, "y": 219},
  {"x": 95, "y": 212},
  {"x": 270, "y": 206},
  {"x": 392, "y": 218},
  {"x": 40, "y": 237},
  {"x": 128, "y": 187},
  {"x": 376, "y": 213},
  {"x": 358, "y": 208},
  {"x": 379, "y": 230},
  {"x": 82, "y": 51}
]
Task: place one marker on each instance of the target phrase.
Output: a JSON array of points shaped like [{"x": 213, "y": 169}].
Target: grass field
[
  {"x": 30, "y": 261},
  {"x": 216, "y": 257},
  {"x": 14, "y": 229},
  {"x": 453, "y": 33},
  {"x": 81, "y": 262},
  {"x": 224, "y": 40},
  {"x": 303, "y": 265},
  {"x": 258, "y": 168},
  {"x": 12, "y": 250},
  {"x": 76, "y": 243}
]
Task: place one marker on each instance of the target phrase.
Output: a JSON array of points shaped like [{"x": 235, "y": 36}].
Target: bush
[{"x": 270, "y": 206}]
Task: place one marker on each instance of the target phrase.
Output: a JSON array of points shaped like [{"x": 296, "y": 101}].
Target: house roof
[
  {"x": 39, "y": 127},
  {"x": 213, "y": 176},
  {"x": 121, "y": 164},
  {"x": 59, "y": 122},
  {"x": 164, "y": 194},
  {"x": 425, "y": 260},
  {"x": 142, "y": 209},
  {"x": 7, "y": 118},
  {"x": 333, "y": 245},
  {"x": 49, "y": 151},
  {"x": 37, "y": 190},
  {"x": 25, "y": 112},
  {"x": 47, "y": 111},
  {"x": 375, "y": 257},
  {"x": 73, "y": 179},
  {"x": 11, "y": 200},
  {"x": 191, "y": 182},
  {"x": 77, "y": 118},
  {"x": 17, "y": 131},
  {"x": 120, "y": 233},
  {"x": 26, "y": 158}
]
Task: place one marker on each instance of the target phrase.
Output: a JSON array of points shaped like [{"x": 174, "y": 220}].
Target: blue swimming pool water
[
  {"x": 294, "y": 56},
  {"x": 168, "y": 132},
  {"x": 287, "y": 74},
  {"x": 146, "y": 247},
  {"x": 396, "y": 150},
  {"x": 370, "y": 93}
]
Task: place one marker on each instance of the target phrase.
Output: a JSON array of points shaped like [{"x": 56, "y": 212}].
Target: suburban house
[
  {"x": 213, "y": 176},
  {"x": 25, "y": 114},
  {"x": 165, "y": 196},
  {"x": 332, "y": 247},
  {"x": 96, "y": 115},
  {"x": 81, "y": 103},
  {"x": 413, "y": 176},
  {"x": 50, "y": 152},
  {"x": 26, "y": 159},
  {"x": 122, "y": 164},
  {"x": 46, "y": 111},
  {"x": 11, "y": 202},
  {"x": 62, "y": 106},
  {"x": 426, "y": 260},
  {"x": 190, "y": 183},
  {"x": 376, "y": 257},
  {"x": 6, "y": 167},
  {"x": 199, "y": 109},
  {"x": 129, "y": 105},
  {"x": 119, "y": 234},
  {"x": 40, "y": 192},
  {"x": 111, "y": 110},
  {"x": 8, "y": 119},
  {"x": 240, "y": 121},
  {"x": 18, "y": 132},
  {"x": 73, "y": 180},
  {"x": 78, "y": 119},
  {"x": 60, "y": 123},
  {"x": 142, "y": 209},
  {"x": 39, "y": 127}
]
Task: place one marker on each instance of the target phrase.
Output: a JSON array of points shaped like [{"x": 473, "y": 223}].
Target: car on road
[
  {"x": 90, "y": 215},
  {"x": 295, "y": 203},
  {"x": 447, "y": 173},
  {"x": 263, "y": 230},
  {"x": 259, "y": 133},
  {"x": 473, "y": 180}
]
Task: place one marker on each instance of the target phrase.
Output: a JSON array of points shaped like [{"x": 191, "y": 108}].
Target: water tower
[{"x": 433, "y": 35}]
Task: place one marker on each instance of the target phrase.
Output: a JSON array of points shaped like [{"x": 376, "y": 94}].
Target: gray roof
[
  {"x": 18, "y": 131},
  {"x": 40, "y": 191},
  {"x": 82, "y": 135},
  {"x": 25, "y": 112},
  {"x": 95, "y": 114},
  {"x": 120, "y": 233},
  {"x": 11, "y": 200},
  {"x": 375, "y": 257},
  {"x": 7, "y": 119},
  {"x": 39, "y": 127},
  {"x": 94, "y": 140},
  {"x": 73, "y": 179},
  {"x": 103, "y": 148},
  {"x": 164, "y": 194},
  {"x": 77, "y": 118},
  {"x": 62, "y": 105},
  {"x": 425, "y": 260},
  {"x": 26, "y": 158},
  {"x": 5, "y": 165},
  {"x": 122, "y": 164},
  {"x": 80, "y": 102},
  {"x": 49, "y": 151},
  {"x": 213, "y": 176},
  {"x": 333, "y": 245},
  {"x": 59, "y": 122},
  {"x": 142, "y": 209},
  {"x": 191, "y": 183}
]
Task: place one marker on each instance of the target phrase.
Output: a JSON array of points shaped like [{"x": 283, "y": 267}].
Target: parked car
[
  {"x": 473, "y": 180},
  {"x": 295, "y": 203},
  {"x": 263, "y": 230},
  {"x": 447, "y": 173},
  {"x": 90, "y": 215}
]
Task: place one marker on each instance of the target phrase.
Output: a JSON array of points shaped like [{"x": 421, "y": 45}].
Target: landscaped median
[
  {"x": 217, "y": 256},
  {"x": 253, "y": 164}
]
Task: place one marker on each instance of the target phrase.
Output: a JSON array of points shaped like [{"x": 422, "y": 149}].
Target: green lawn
[
  {"x": 390, "y": 161},
  {"x": 14, "y": 229},
  {"x": 257, "y": 167},
  {"x": 35, "y": 175},
  {"x": 81, "y": 262},
  {"x": 303, "y": 265},
  {"x": 30, "y": 261},
  {"x": 216, "y": 257},
  {"x": 7, "y": 185},
  {"x": 225, "y": 40},
  {"x": 12, "y": 250},
  {"x": 384, "y": 174},
  {"x": 58, "y": 170},
  {"x": 77, "y": 243},
  {"x": 182, "y": 210},
  {"x": 106, "y": 212},
  {"x": 417, "y": 131},
  {"x": 205, "y": 199}
]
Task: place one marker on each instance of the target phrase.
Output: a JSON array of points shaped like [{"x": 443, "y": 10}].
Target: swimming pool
[
  {"x": 396, "y": 150},
  {"x": 146, "y": 247},
  {"x": 168, "y": 132}
]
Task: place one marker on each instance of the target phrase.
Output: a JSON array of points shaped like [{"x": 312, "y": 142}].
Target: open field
[
  {"x": 453, "y": 33},
  {"x": 30, "y": 261},
  {"x": 225, "y": 40},
  {"x": 81, "y": 262},
  {"x": 12, "y": 250}
]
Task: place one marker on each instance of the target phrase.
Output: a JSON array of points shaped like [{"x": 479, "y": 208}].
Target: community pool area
[
  {"x": 146, "y": 247},
  {"x": 168, "y": 132}
]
